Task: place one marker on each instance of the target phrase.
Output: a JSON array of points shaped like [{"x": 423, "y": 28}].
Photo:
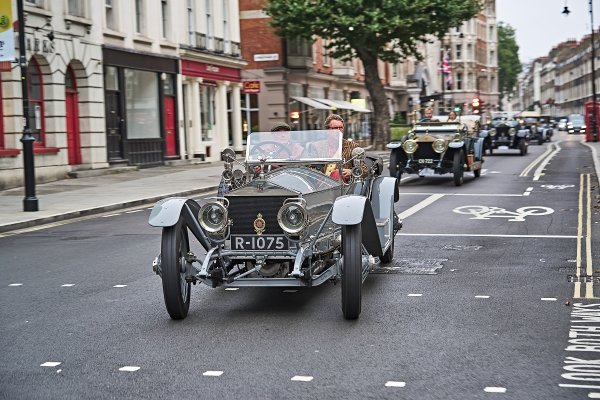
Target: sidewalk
[{"x": 72, "y": 198}]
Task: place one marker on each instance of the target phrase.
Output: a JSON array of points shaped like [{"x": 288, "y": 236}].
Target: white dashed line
[
  {"x": 129, "y": 368},
  {"x": 119, "y": 286},
  {"x": 110, "y": 215},
  {"x": 68, "y": 285},
  {"x": 395, "y": 384},
  {"x": 290, "y": 291},
  {"x": 494, "y": 389},
  {"x": 528, "y": 191},
  {"x": 133, "y": 211},
  {"x": 50, "y": 364},
  {"x": 16, "y": 284},
  {"x": 482, "y": 297},
  {"x": 301, "y": 378},
  {"x": 232, "y": 288},
  {"x": 594, "y": 395},
  {"x": 415, "y": 294},
  {"x": 213, "y": 373},
  {"x": 548, "y": 299}
]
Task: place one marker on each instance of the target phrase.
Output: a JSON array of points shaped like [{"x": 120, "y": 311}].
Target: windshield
[
  {"x": 504, "y": 121},
  {"x": 294, "y": 146},
  {"x": 301, "y": 179},
  {"x": 576, "y": 119}
]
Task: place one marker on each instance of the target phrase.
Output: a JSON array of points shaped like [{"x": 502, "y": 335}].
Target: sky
[{"x": 540, "y": 24}]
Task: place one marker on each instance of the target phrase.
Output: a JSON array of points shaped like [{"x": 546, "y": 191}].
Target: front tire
[
  {"x": 174, "y": 247},
  {"x": 457, "y": 167},
  {"x": 389, "y": 254},
  {"x": 352, "y": 274}
]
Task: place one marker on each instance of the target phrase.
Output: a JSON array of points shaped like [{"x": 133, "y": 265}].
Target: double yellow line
[{"x": 584, "y": 237}]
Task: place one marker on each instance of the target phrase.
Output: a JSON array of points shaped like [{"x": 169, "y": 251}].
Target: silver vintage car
[{"x": 281, "y": 221}]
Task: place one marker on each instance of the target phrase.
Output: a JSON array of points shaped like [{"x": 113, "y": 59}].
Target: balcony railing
[
  {"x": 200, "y": 41},
  {"x": 218, "y": 45}
]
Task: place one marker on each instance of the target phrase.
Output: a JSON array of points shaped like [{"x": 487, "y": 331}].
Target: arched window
[{"x": 35, "y": 86}]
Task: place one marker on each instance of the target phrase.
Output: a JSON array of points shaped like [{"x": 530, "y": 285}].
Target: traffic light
[
  {"x": 294, "y": 115},
  {"x": 476, "y": 105}
]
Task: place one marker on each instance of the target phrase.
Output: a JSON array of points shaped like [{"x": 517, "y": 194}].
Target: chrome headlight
[
  {"x": 292, "y": 218},
  {"x": 492, "y": 131},
  {"x": 512, "y": 131},
  {"x": 213, "y": 217},
  {"x": 227, "y": 175},
  {"x": 410, "y": 146},
  {"x": 582, "y": 126},
  {"x": 439, "y": 145}
]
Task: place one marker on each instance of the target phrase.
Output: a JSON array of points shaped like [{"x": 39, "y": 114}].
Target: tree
[
  {"x": 372, "y": 30},
  {"x": 508, "y": 59}
]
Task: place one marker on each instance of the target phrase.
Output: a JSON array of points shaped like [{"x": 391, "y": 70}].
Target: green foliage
[
  {"x": 508, "y": 58},
  {"x": 398, "y": 119},
  {"x": 390, "y": 30},
  {"x": 398, "y": 131}
]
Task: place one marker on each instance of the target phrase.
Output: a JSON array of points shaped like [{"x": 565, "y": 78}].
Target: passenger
[
  {"x": 427, "y": 115},
  {"x": 335, "y": 122},
  {"x": 452, "y": 116}
]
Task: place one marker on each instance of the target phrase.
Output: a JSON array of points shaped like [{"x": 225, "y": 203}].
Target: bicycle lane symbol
[{"x": 484, "y": 212}]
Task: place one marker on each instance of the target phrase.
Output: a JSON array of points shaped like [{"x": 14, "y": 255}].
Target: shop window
[
  {"x": 249, "y": 107},
  {"x": 35, "y": 87},
  {"x": 207, "y": 110},
  {"x": 141, "y": 100}
]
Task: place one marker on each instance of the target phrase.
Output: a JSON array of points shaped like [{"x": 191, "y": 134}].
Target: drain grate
[{"x": 411, "y": 266}]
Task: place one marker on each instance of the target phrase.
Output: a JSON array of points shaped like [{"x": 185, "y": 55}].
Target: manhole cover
[
  {"x": 459, "y": 247},
  {"x": 411, "y": 266}
]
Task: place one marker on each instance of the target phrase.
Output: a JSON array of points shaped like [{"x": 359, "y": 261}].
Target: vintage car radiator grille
[
  {"x": 243, "y": 210},
  {"x": 425, "y": 151}
]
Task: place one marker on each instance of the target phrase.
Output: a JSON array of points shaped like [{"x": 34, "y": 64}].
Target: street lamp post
[{"x": 30, "y": 202}]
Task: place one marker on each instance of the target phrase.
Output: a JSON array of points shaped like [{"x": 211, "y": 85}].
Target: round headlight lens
[
  {"x": 410, "y": 146},
  {"x": 292, "y": 218},
  {"x": 213, "y": 217},
  {"x": 238, "y": 174},
  {"x": 439, "y": 145},
  {"x": 492, "y": 132},
  {"x": 512, "y": 131}
]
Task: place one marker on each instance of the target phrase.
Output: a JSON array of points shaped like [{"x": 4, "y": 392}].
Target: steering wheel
[{"x": 277, "y": 149}]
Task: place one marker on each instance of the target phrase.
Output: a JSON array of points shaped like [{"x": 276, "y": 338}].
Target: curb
[{"x": 101, "y": 209}]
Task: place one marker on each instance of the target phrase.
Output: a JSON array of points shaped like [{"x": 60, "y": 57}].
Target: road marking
[
  {"x": 68, "y": 285},
  {"x": 594, "y": 395},
  {"x": 528, "y": 191},
  {"x": 133, "y": 211},
  {"x": 485, "y": 212},
  {"x": 120, "y": 286},
  {"x": 539, "y": 171},
  {"x": 494, "y": 389},
  {"x": 548, "y": 299},
  {"x": 395, "y": 384},
  {"x": 419, "y": 206},
  {"x": 232, "y": 288},
  {"x": 584, "y": 237},
  {"x": 482, "y": 297},
  {"x": 302, "y": 378},
  {"x": 129, "y": 368},
  {"x": 465, "y": 194},
  {"x": 290, "y": 291},
  {"x": 589, "y": 286},
  {"x": 16, "y": 284},
  {"x": 559, "y": 187},
  {"x": 213, "y": 373},
  {"x": 50, "y": 364},
  {"x": 490, "y": 235},
  {"x": 110, "y": 215},
  {"x": 415, "y": 294},
  {"x": 537, "y": 160}
]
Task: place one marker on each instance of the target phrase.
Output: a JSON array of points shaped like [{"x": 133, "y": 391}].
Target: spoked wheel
[
  {"x": 457, "y": 167},
  {"x": 352, "y": 274},
  {"x": 174, "y": 247}
]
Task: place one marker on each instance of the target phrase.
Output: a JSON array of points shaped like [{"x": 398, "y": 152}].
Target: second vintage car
[
  {"x": 504, "y": 133},
  {"x": 437, "y": 147},
  {"x": 281, "y": 222}
]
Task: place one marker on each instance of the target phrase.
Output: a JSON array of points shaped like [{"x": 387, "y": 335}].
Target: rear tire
[
  {"x": 174, "y": 247},
  {"x": 352, "y": 274},
  {"x": 457, "y": 167}
]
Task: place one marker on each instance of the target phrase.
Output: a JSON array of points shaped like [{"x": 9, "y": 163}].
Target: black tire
[
  {"x": 388, "y": 256},
  {"x": 541, "y": 141},
  {"x": 395, "y": 167},
  {"x": 523, "y": 147},
  {"x": 457, "y": 167},
  {"x": 352, "y": 274},
  {"x": 174, "y": 246}
]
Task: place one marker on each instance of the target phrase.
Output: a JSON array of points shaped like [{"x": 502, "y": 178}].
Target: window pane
[
  {"x": 207, "y": 111},
  {"x": 141, "y": 98},
  {"x": 111, "y": 79},
  {"x": 33, "y": 77},
  {"x": 110, "y": 14},
  {"x": 76, "y": 7}
]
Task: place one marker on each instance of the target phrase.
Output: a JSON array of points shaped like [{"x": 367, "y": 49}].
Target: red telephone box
[{"x": 589, "y": 110}]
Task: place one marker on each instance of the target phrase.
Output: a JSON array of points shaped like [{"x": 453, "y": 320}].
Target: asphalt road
[{"x": 476, "y": 305}]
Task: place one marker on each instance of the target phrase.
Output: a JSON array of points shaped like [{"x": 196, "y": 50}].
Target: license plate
[
  {"x": 259, "y": 242},
  {"x": 425, "y": 160},
  {"x": 503, "y": 147}
]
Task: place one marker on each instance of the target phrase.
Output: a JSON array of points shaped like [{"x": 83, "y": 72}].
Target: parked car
[
  {"x": 439, "y": 148},
  {"x": 505, "y": 133},
  {"x": 576, "y": 124},
  {"x": 281, "y": 223}
]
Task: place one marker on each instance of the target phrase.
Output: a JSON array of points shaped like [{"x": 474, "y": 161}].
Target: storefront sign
[
  {"x": 210, "y": 71},
  {"x": 266, "y": 57},
  {"x": 7, "y": 33},
  {"x": 251, "y": 87}
]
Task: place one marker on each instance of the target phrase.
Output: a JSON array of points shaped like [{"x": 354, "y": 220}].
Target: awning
[
  {"x": 311, "y": 103},
  {"x": 343, "y": 105}
]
